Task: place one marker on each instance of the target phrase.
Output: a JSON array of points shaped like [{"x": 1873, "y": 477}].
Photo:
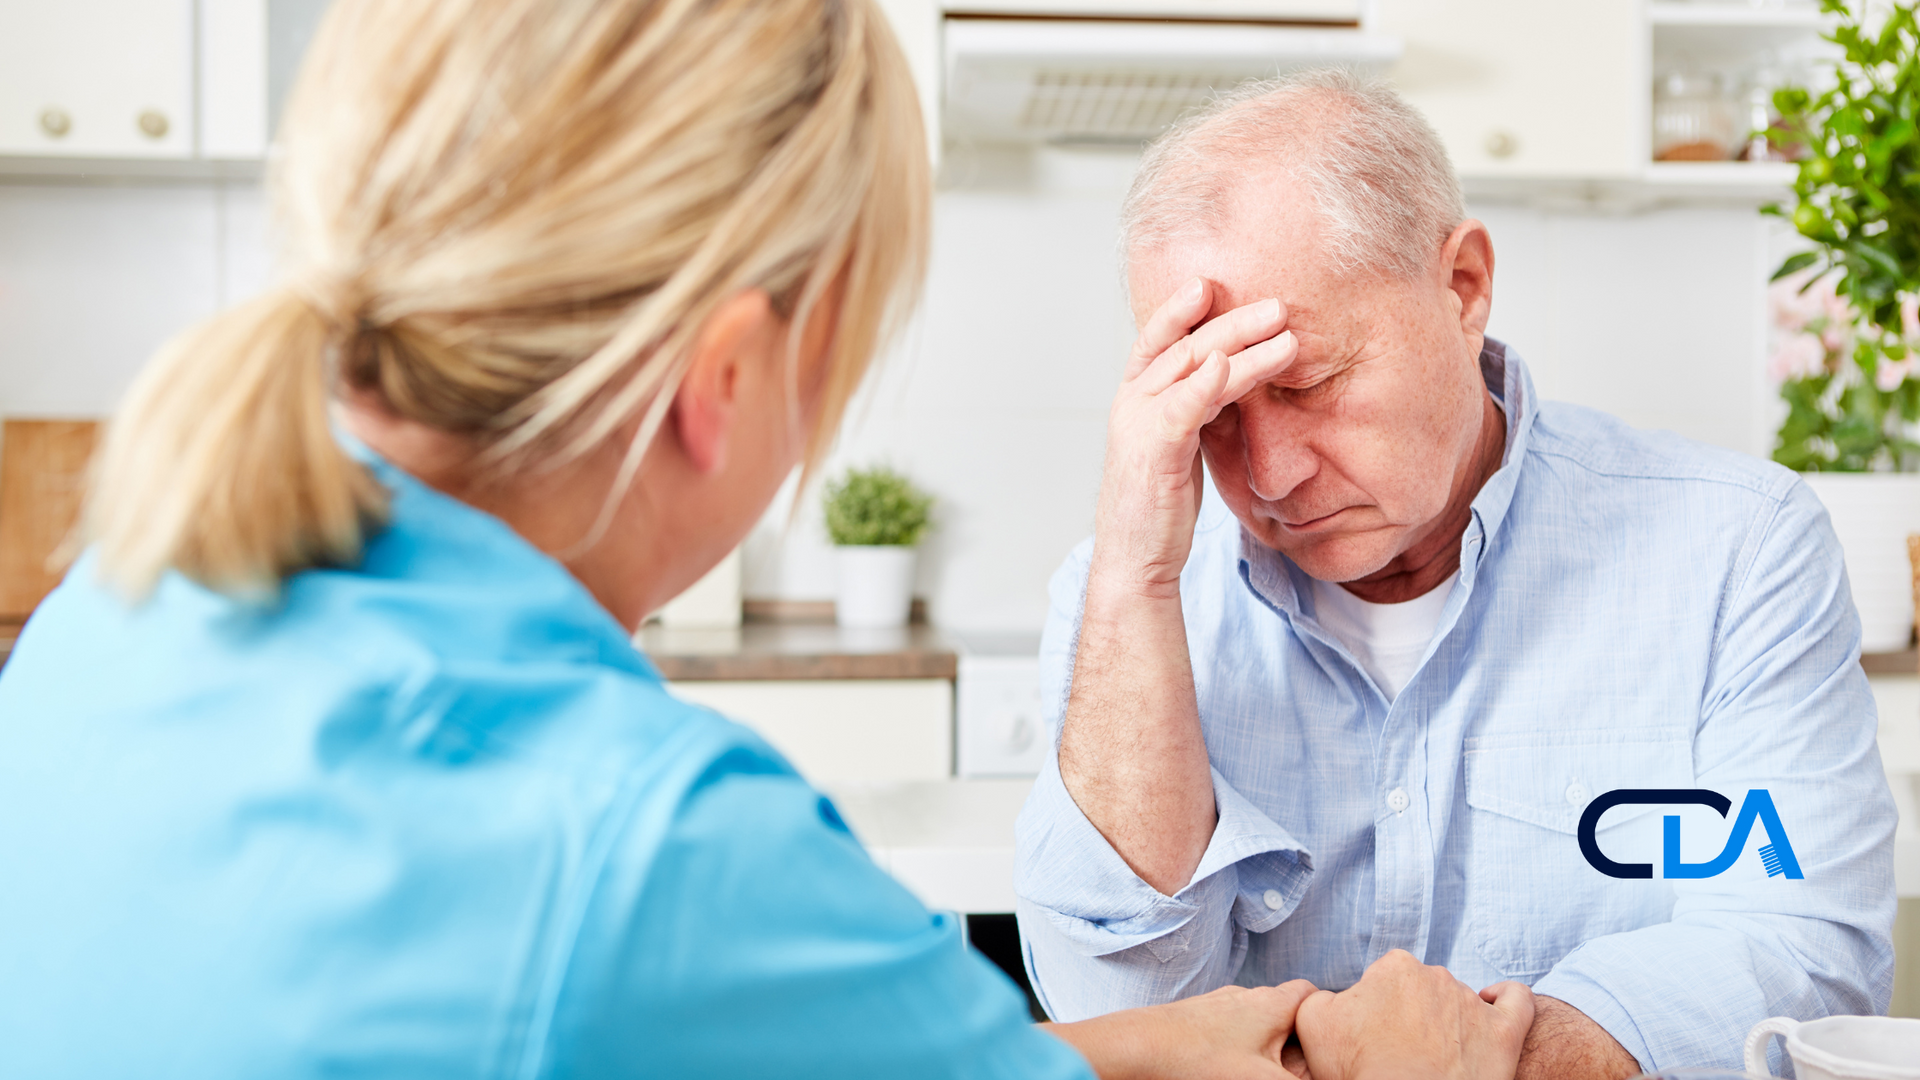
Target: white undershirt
[{"x": 1387, "y": 639}]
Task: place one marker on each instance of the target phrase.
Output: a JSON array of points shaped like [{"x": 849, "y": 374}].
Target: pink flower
[
  {"x": 1836, "y": 335},
  {"x": 1792, "y": 308},
  {"x": 1891, "y": 373},
  {"x": 1910, "y": 317},
  {"x": 1839, "y": 313},
  {"x": 1799, "y": 356}
]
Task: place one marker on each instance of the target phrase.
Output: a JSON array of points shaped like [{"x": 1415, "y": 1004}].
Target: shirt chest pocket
[{"x": 1531, "y": 896}]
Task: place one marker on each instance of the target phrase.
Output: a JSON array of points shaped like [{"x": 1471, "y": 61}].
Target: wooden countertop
[
  {"x": 1892, "y": 663},
  {"x": 774, "y": 650}
]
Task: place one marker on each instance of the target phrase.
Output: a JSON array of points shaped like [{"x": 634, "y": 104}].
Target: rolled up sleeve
[
  {"x": 1097, "y": 936},
  {"x": 1789, "y": 711}
]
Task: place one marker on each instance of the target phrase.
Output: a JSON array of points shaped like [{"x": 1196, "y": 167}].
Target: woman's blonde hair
[{"x": 507, "y": 219}]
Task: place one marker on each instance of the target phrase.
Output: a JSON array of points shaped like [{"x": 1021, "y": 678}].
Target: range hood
[{"x": 1082, "y": 79}]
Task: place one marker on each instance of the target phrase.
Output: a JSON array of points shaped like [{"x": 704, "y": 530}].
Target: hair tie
[{"x": 338, "y": 299}]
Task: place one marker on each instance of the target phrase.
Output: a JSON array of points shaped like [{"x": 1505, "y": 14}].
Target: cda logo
[{"x": 1776, "y": 855}]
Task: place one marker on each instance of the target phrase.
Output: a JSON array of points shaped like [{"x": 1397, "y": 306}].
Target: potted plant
[
  {"x": 1846, "y": 310},
  {"x": 875, "y": 517}
]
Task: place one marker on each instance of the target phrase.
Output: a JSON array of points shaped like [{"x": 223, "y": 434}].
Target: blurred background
[{"x": 1619, "y": 150}]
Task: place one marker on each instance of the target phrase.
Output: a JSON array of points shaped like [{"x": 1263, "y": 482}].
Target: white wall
[
  {"x": 997, "y": 399},
  {"x": 1657, "y": 317},
  {"x": 94, "y": 278}
]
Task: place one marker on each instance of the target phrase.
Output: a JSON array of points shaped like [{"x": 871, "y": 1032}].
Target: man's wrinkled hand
[
  {"x": 1179, "y": 378},
  {"x": 1405, "y": 1020}
]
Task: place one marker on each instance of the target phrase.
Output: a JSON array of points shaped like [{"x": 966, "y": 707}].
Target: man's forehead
[
  {"x": 1268, "y": 244},
  {"x": 1243, "y": 270}
]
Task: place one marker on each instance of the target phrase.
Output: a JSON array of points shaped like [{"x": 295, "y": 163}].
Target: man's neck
[{"x": 1435, "y": 556}]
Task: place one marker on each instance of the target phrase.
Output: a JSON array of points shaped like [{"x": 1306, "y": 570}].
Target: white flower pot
[
  {"x": 1872, "y": 514},
  {"x": 875, "y": 585}
]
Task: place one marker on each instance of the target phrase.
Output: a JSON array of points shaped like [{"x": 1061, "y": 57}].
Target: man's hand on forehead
[{"x": 1252, "y": 340}]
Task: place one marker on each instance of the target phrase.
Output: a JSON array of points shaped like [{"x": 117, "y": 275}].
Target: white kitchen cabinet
[
  {"x": 97, "y": 78},
  {"x": 949, "y": 841},
  {"x": 999, "y": 729},
  {"x": 1526, "y": 88},
  {"x": 177, "y": 88},
  {"x": 233, "y": 79},
  {"x": 835, "y": 731},
  {"x": 1897, "y": 698}
]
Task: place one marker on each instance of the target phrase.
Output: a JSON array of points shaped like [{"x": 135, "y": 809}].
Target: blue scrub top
[{"x": 433, "y": 816}]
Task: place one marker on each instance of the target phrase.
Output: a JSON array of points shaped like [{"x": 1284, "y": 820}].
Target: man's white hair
[{"x": 1379, "y": 177}]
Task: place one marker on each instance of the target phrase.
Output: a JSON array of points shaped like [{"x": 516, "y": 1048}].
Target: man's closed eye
[{"x": 1308, "y": 393}]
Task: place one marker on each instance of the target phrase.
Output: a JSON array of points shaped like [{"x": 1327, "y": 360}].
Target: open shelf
[
  {"x": 1759, "y": 177},
  {"x": 1796, "y": 17},
  {"x": 1705, "y": 30}
]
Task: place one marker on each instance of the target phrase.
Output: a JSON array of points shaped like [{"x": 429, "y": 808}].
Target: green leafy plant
[
  {"x": 876, "y": 506},
  {"x": 1857, "y": 197}
]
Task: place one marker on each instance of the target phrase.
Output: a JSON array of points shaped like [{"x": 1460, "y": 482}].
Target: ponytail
[{"x": 222, "y": 462}]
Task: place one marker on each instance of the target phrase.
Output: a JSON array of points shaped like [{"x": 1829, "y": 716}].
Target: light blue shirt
[
  {"x": 1633, "y": 611},
  {"x": 435, "y": 817}
]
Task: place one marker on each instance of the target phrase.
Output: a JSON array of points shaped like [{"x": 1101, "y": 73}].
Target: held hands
[
  {"x": 1403, "y": 1020},
  {"x": 1233, "y": 1033},
  {"x": 1177, "y": 381},
  {"x": 1408, "y": 1021}
]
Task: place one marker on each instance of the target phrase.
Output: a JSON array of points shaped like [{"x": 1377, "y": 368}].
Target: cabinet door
[
  {"x": 97, "y": 78},
  {"x": 1525, "y": 87},
  {"x": 233, "y": 78},
  {"x": 844, "y": 731}
]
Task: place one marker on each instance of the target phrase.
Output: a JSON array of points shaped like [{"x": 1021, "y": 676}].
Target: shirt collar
[
  {"x": 1279, "y": 581},
  {"x": 1507, "y": 377}
]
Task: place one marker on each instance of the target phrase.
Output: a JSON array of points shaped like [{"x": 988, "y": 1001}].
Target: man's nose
[{"x": 1279, "y": 456}]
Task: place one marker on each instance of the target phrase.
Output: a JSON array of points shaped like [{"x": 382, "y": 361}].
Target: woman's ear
[{"x": 741, "y": 334}]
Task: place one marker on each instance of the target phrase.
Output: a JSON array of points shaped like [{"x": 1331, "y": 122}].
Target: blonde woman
[{"x": 332, "y": 757}]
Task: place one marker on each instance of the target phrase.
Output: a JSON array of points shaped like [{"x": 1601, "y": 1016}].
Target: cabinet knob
[
  {"x": 1502, "y": 144},
  {"x": 153, "y": 124},
  {"x": 56, "y": 122}
]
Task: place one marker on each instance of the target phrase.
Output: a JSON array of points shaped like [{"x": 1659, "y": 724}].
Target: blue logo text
[{"x": 1776, "y": 856}]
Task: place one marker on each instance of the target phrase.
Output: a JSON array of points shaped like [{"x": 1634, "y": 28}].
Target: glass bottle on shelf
[
  {"x": 1765, "y": 138},
  {"x": 1693, "y": 119}
]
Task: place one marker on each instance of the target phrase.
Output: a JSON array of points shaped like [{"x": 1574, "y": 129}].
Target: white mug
[{"x": 1841, "y": 1047}]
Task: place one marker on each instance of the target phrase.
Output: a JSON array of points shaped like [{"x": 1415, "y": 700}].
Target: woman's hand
[
  {"x": 1405, "y": 1020},
  {"x": 1234, "y": 1033}
]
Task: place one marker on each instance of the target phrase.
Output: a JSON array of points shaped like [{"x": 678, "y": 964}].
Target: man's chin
[{"x": 1347, "y": 557}]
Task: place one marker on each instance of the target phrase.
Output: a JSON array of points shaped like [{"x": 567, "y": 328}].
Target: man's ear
[
  {"x": 1467, "y": 260},
  {"x": 706, "y": 404}
]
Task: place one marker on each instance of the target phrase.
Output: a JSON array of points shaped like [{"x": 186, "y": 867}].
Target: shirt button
[
  {"x": 1397, "y": 798},
  {"x": 1576, "y": 793},
  {"x": 1274, "y": 899}
]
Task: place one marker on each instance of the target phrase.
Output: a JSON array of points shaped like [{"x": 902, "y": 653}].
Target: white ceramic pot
[
  {"x": 1841, "y": 1047},
  {"x": 875, "y": 588},
  {"x": 1872, "y": 514}
]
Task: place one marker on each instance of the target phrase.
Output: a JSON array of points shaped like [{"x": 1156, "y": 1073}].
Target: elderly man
[{"x": 1359, "y": 702}]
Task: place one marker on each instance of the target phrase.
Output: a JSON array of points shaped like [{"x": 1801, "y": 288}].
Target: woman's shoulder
[{"x": 417, "y": 660}]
